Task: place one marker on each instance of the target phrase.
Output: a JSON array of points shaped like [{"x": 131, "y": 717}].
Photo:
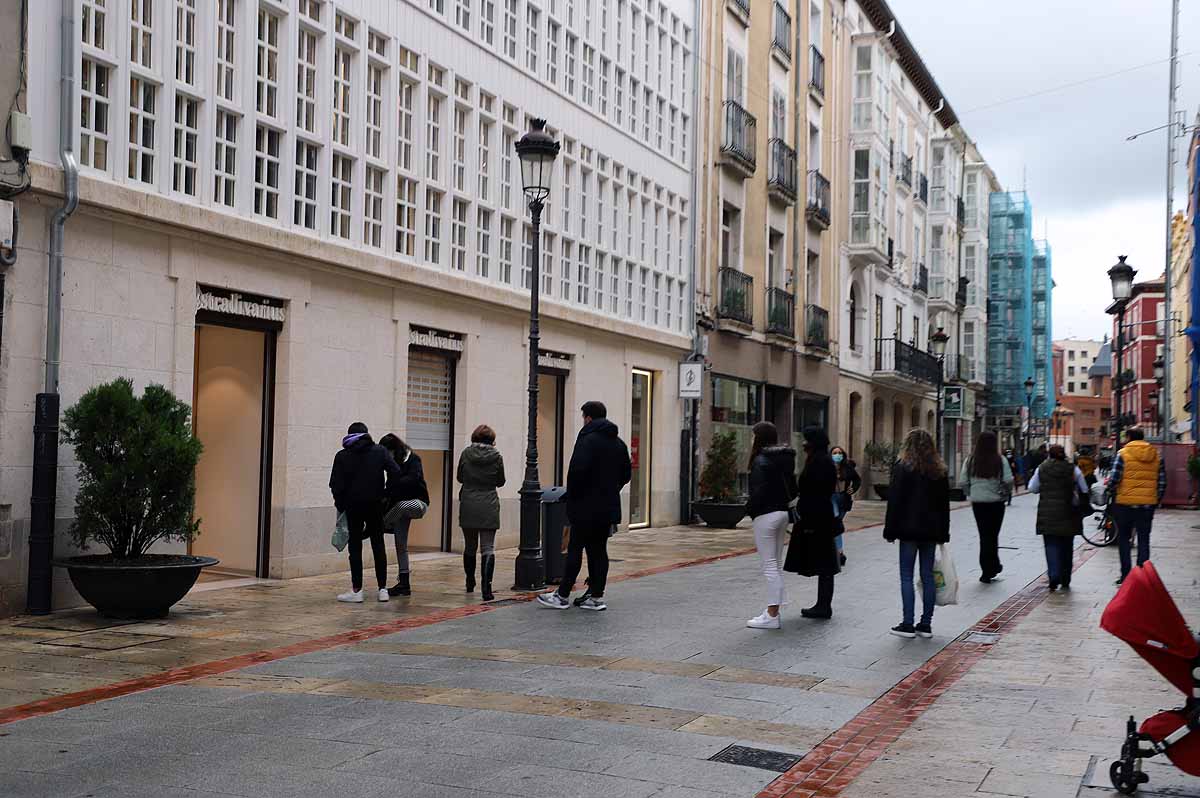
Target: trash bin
[{"x": 554, "y": 518}]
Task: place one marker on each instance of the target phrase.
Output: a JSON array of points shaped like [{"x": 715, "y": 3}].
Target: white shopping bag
[{"x": 945, "y": 578}]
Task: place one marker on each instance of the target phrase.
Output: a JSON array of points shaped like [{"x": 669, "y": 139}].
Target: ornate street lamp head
[
  {"x": 1121, "y": 275},
  {"x": 937, "y": 342},
  {"x": 537, "y": 151},
  {"x": 1159, "y": 368}
]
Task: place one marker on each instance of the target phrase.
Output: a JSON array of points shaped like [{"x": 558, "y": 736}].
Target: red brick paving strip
[{"x": 830, "y": 767}]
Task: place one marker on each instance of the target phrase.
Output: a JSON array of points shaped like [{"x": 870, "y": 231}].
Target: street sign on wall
[
  {"x": 953, "y": 401},
  {"x": 691, "y": 380}
]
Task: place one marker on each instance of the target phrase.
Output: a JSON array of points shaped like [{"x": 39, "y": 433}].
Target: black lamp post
[
  {"x": 937, "y": 344},
  {"x": 1160, "y": 368},
  {"x": 1121, "y": 275},
  {"x": 537, "y": 151},
  {"x": 1029, "y": 383}
]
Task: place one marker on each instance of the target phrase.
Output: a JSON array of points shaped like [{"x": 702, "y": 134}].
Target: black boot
[
  {"x": 823, "y": 609},
  {"x": 401, "y": 588},
  {"x": 489, "y": 568},
  {"x": 469, "y": 568}
]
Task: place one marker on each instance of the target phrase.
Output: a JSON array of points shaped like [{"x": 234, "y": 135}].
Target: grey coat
[{"x": 480, "y": 471}]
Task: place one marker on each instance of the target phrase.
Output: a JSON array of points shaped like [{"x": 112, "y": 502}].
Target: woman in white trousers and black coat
[{"x": 772, "y": 488}]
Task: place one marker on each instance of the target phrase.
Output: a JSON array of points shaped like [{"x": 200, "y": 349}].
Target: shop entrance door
[
  {"x": 640, "y": 447},
  {"x": 551, "y": 411},
  {"x": 234, "y": 380},
  {"x": 430, "y": 432}
]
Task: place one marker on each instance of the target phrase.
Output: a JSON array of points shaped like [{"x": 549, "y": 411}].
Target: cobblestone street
[{"x": 516, "y": 700}]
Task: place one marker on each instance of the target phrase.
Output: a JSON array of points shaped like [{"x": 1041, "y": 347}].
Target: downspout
[
  {"x": 799, "y": 114},
  {"x": 45, "y": 424},
  {"x": 690, "y": 475}
]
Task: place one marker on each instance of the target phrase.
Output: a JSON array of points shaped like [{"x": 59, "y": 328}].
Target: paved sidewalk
[{"x": 521, "y": 700}]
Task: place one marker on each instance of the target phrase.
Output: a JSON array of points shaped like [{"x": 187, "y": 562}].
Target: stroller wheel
[{"x": 1124, "y": 778}]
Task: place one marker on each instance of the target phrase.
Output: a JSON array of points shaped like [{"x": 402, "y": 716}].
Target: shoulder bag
[{"x": 405, "y": 510}]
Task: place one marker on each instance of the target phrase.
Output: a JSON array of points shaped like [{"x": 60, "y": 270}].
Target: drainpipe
[
  {"x": 688, "y": 468},
  {"x": 45, "y": 422}
]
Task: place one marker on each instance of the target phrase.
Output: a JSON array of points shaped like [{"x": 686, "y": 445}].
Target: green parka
[{"x": 480, "y": 471}]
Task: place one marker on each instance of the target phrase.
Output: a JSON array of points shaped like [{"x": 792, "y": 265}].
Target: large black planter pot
[
  {"x": 720, "y": 515},
  {"x": 143, "y": 588}
]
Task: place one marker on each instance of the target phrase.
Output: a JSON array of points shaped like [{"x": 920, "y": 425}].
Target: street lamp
[
  {"x": 1121, "y": 275},
  {"x": 1029, "y": 383},
  {"x": 537, "y": 151},
  {"x": 937, "y": 345},
  {"x": 1160, "y": 368}
]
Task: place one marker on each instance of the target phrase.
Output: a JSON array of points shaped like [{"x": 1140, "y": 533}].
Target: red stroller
[{"x": 1144, "y": 616}]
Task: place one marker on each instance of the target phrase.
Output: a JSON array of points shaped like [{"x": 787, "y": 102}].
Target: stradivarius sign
[{"x": 235, "y": 303}]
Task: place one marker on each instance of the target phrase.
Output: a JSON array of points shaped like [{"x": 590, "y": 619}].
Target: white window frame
[
  {"x": 341, "y": 197},
  {"x": 225, "y": 137},
  {"x": 185, "y": 156},
  {"x": 304, "y": 188}
]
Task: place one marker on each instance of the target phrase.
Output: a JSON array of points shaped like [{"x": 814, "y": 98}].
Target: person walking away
[
  {"x": 772, "y": 488},
  {"x": 1138, "y": 483},
  {"x": 918, "y": 516},
  {"x": 480, "y": 472},
  {"x": 1011, "y": 459},
  {"x": 409, "y": 486},
  {"x": 358, "y": 483},
  {"x": 987, "y": 481},
  {"x": 848, "y": 484},
  {"x": 1058, "y": 484},
  {"x": 812, "y": 551},
  {"x": 599, "y": 469}
]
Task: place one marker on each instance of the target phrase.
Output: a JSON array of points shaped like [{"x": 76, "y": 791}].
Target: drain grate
[
  {"x": 761, "y": 758},
  {"x": 983, "y": 638}
]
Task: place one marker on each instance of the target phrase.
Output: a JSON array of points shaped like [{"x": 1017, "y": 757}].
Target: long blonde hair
[{"x": 920, "y": 454}]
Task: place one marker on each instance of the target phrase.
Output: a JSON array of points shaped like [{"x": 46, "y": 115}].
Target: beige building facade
[{"x": 300, "y": 214}]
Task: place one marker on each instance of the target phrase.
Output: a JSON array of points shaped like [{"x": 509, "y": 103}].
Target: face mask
[{"x": 838, "y": 458}]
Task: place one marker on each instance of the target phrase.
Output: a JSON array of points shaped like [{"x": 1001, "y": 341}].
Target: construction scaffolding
[{"x": 1019, "y": 333}]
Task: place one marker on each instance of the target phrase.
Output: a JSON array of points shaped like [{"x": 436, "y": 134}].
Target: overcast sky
[{"x": 1095, "y": 195}]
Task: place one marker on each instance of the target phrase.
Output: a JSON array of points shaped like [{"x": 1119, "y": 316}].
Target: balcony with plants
[
  {"x": 781, "y": 314},
  {"x": 735, "y": 300},
  {"x": 781, "y": 171},
  {"x": 816, "y": 328}
]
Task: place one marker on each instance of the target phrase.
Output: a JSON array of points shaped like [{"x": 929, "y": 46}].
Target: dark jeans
[
  {"x": 1128, "y": 521},
  {"x": 366, "y": 522},
  {"x": 908, "y": 559},
  {"x": 595, "y": 541},
  {"x": 989, "y": 516},
  {"x": 1060, "y": 558}
]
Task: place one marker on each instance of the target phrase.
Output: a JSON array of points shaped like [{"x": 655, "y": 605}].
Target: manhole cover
[
  {"x": 756, "y": 758},
  {"x": 983, "y": 638}
]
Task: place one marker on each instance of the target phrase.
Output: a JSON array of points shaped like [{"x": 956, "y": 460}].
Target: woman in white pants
[{"x": 772, "y": 488}]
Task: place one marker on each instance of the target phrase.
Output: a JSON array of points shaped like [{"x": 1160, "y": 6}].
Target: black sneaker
[
  {"x": 904, "y": 630},
  {"x": 923, "y": 630},
  {"x": 578, "y": 602}
]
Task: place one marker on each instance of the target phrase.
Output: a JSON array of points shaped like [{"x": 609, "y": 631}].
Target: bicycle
[{"x": 1105, "y": 531}]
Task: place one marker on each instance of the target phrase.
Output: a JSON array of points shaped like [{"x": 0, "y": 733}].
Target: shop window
[{"x": 736, "y": 408}]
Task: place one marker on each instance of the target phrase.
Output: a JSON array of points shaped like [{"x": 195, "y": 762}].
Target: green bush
[
  {"x": 718, "y": 481},
  {"x": 881, "y": 455},
  {"x": 1193, "y": 467},
  {"x": 137, "y": 468}
]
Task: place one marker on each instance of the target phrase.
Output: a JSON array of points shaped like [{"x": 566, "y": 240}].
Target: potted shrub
[
  {"x": 1193, "y": 469},
  {"x": 881, "y": 455},
  {"x": 721, "y": 506},
  {"x": 137, "y": 486}
]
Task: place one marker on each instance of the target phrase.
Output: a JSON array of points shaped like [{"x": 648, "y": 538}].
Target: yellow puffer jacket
[{"x": 1139, "y": 479}]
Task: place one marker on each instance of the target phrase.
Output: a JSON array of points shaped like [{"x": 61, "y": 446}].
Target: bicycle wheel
[{"x": 1100, "y": 531}]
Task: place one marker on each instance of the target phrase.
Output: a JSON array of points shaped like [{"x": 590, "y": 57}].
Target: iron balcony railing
[
  {"x": 895, "y": 356},
  {"x": 961, "y": 208},
  {"x": 891, "y": 252},
  {"x": 923, "y": 188},
  {"x": 921, "y": 280},
  {"x": 744, "y": 5},
  {"x": 816, "y": 327},
  {"x": 782, "y": 40},
  {"x": 781, "y": 171},
  {"x": 960, "y": 295},
  {"x": 734, "y": 299},
  {"x": 959, "y": 368},
  {"x": 781, "y": 313},
  {"x": 740, "y": 134},
  {"x": 818, "y": 197},
  {"x": 905, "y": 173},
  {"x": 816, "y": 77}
]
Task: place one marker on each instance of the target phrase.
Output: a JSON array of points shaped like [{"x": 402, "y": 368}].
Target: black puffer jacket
[
  {"x": 411, "y": 482},
  {"x": 918, "y": 508},
  {"x": 772, "y": 481},
  {"x": 358, "y": 476},
  {"x": 599, "y": 469}
]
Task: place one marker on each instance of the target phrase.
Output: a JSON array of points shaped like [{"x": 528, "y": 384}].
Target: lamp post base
[{"x": 530, "y": 566}]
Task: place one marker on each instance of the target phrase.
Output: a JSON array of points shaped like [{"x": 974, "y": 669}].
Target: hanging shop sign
[
  {"x": 559, "y": 361},
  {"x": 237, "y": 303},
  {"x": 691, "y": 380},
  {"x": 435, "y": 339},
  {"x": 953, "y": 402}
]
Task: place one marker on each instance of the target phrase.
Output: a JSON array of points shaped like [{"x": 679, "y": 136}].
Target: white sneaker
[
  {"x": 764, "y": 621},
  {"x": 353, "y": 597},
  {"x": 383, "y": 594},
  {"x": 592, "y": 603},
  {"x": 553, "y": 601}
]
